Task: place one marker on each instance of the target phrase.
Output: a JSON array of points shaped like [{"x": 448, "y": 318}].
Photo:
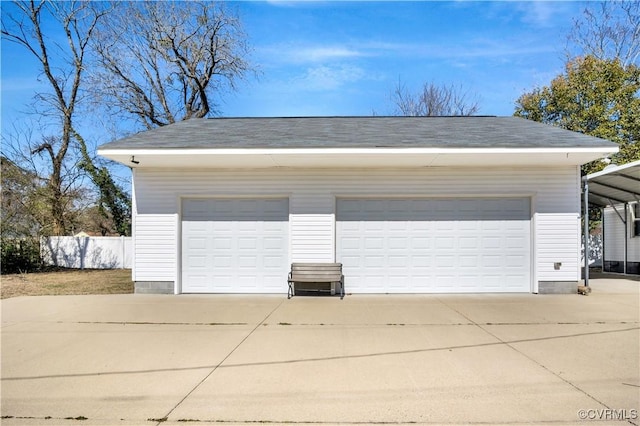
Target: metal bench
[{"x": 315, "y": 273}]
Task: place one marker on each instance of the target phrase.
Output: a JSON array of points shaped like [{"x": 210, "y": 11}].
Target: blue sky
[
  {"x": 332, "y": 58},
  {"x": 337, "y": 58}
]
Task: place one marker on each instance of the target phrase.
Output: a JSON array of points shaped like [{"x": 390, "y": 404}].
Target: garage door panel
[
  {"x": 420, "y": 243},
  {"x": 399, "y": 261},
  {"x": 457, "y": 245},
  {"x": 467, "y": 225},
  {"x": 492, "y": 243},
  {"x": 244, "y": 241},
  {"x": 444, "y": 243},
  {"x": 468, "y": 243},
  {"x": 468, "y": 262},
  {"x": 401, "y": 226},
  {"x": 247, "y": 243},
  {"x": 272, "y": 243},
  {"x": 374, "y": 243},
  {"x": 399, "y": 243}
]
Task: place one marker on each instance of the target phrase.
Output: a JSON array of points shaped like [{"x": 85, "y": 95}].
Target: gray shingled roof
[{"x": 357, "y": 132}]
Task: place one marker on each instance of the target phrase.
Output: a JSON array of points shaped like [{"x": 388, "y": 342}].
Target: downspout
[{"x": 586, "y": 230}]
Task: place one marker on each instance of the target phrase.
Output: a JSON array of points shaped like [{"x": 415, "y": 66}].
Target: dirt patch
[{"x": 67, "y": 282}]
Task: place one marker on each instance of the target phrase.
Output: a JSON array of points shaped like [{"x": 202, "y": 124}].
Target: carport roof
[
  {"x": 615, "y": 185},
  {"x": 325, "y": 142}
]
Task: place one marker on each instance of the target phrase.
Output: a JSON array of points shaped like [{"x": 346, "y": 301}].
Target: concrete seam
[
  {"x": 528, "y": 357},
  {"x": 213, "y": 370}
]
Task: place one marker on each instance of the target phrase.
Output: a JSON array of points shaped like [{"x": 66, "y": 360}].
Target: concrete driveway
[{"x": 428, "y": 359}]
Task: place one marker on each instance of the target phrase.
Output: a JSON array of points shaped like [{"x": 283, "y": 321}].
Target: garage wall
[
  {"x": 613, "y": 230},
  {"x": 555, "y": 196}
]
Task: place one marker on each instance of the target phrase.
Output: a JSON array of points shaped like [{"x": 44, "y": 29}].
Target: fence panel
[{"x": 87, "y": 252}]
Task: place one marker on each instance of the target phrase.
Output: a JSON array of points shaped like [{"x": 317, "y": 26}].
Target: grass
[{"x": 67, "y": 282}]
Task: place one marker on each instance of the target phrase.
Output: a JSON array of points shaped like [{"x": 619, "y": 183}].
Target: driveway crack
[
  {"x": 213, "y": 370},
  {"x": 510, "y": 345}
]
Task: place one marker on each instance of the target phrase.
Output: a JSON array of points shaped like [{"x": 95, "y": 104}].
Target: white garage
[
  {"x": 406, "y": 204},
  {"x": 234, "y": 245},
  {"x": 434, "y": 245}
]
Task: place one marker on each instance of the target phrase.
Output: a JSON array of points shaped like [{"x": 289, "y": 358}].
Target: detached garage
[{"x": 406, "y": 204}]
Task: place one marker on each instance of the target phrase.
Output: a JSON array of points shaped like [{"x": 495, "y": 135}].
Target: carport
[{"x": 617, "y": 187}]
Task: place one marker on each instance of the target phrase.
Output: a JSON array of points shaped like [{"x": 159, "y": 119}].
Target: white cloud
[
  {"x": 479, "y": 48},
  {"x": 537, "y": 13},
  {"x": 296, "y": 54},
  {"x": 321, "y": 54},
  {"x": 332, "y": 77},
  {"x": 297, "y": 3},
  {"x": 473, "y": 48},
  {"x": 544, "y": 14}
]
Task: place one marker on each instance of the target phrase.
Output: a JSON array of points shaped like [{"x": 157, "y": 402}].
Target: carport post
[
  {"x": 586, "y": 231},
  {"x": 626, "y": 236}
]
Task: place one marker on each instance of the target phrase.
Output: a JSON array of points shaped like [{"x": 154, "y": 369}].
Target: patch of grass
[{"x": 67, "y": 282}]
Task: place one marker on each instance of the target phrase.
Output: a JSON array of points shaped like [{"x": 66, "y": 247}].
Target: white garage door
[
  {"x": 434, "y": 245},
  {"x": 235, "y": 245}
]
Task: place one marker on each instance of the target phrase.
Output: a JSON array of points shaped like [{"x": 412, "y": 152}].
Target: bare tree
[
  {"x": 607, "y": 30},
  {"x": 63, "y": 66},
  {"x": 161, "y": 62},
  {"x": 27, "y": 193},
  {"x": 433, "y": 100}
]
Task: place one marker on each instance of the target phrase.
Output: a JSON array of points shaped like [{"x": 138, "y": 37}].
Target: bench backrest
[{"x": 320, "y": 272}]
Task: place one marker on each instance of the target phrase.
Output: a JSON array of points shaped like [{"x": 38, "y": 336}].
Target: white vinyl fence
[
  {"x": 87, "y": 252},
  {"x": 595, "y": 250}
]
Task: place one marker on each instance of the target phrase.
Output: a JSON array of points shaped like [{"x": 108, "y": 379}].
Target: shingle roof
[{"x": 357, "y": 132}]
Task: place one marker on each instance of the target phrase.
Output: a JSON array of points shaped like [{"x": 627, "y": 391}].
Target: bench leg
[
  {"x": 290, "y": 291},
  {"x": 342, "y": 288}
]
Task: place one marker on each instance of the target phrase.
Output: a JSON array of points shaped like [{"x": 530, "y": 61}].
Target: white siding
[
  {"x": 555, "y": 194},
  {"x": 558, "y": 239},
  {"x": 155, "y": 241},
  {"x": 614, "y": 237}
]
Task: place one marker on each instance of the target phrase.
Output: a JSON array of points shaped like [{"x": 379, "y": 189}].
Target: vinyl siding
[
  {"x": 155, "y": 247},
  {"x": 555, "y": 194},
  {"x": 558, "y": 236},
  {"x": 614, "y": 237}
]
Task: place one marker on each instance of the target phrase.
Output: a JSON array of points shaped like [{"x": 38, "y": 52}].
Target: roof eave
[{"x": 353, "y": 157}]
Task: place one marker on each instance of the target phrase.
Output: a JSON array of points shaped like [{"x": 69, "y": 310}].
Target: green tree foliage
[
  {"x": 597, "y": 97},
  {"x": 21, "y": 218},
  {"x": 19, "y": 255},
  {"x": 114, "y": 205},
  {"x": 19, "y": 214}
]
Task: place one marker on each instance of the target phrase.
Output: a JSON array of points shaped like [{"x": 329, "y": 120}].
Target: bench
[{"x": 315, "y": 273}]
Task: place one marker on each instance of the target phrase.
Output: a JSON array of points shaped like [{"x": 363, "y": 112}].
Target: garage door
[
  {"x": 434, "y": 245},
  {"x": 235, "y": 245}
]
